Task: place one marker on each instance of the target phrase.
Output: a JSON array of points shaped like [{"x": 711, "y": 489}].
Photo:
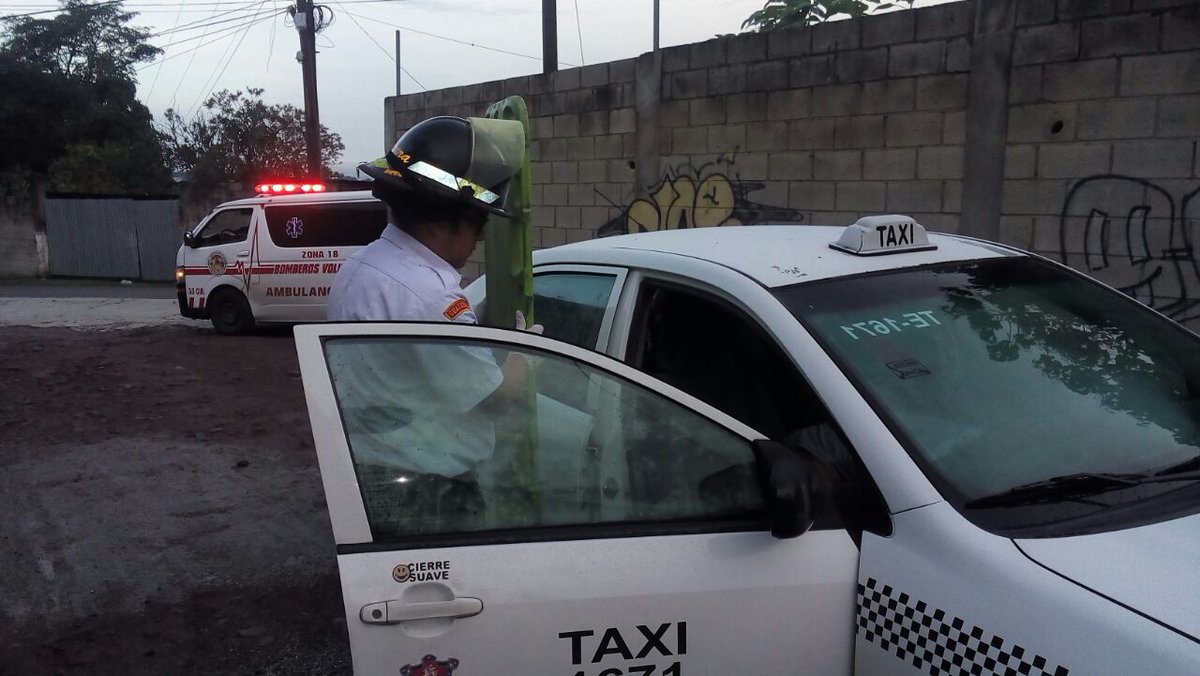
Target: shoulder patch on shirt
[{"x": 456, "y": 308}]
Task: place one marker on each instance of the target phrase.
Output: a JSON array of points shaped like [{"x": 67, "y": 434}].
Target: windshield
[{"x": 1004, "y": 372}]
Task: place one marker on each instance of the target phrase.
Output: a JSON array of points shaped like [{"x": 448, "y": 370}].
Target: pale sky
[
  {"x": 355, "y": 68},
  {"x": 444, "y": 43}
]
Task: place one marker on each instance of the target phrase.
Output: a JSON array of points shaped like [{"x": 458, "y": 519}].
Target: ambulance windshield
[{"x": 1007, "y": 372}]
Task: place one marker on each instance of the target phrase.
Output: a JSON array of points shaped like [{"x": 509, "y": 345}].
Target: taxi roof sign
[{"x": 877, "y": 235}]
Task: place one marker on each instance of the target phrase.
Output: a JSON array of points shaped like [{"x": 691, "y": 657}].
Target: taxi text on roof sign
[{"x": 876, "y": 235}]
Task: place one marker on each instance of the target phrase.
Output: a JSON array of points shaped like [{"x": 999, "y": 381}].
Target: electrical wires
[
  {"x": 449, "y": 39},
  {"x": 381, "y": 47}
]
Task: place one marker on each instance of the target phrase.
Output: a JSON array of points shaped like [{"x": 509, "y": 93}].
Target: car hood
[{"x": 1150, "y": 569}]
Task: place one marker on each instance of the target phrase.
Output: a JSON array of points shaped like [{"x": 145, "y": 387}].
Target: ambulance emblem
[
  {"x": 430, "y": 666},
  {"x": 295, "y": 227},
  {"x": 216, "y": 264}
]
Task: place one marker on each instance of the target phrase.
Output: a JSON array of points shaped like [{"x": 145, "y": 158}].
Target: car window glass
[
  {"x": 326, "y": 225},
  {"x": 717, "y": 353},
  {"x": 431, "y": 459},
  {"x": 225, "y": 227},
  {"x": 571, "y": 305}
]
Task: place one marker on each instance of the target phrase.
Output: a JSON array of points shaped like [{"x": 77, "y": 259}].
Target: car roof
[
  {"x": 303, "y": 198},
  {"x": 773, "y": 255}
]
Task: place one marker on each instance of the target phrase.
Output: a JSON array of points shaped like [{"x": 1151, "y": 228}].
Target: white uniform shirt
[
  {"x": 409, "y": 406},
  {"x": 396, "y": 278}
]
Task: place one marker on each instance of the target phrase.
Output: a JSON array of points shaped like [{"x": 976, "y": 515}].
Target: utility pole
[
  {"x": 549, "y": 36},
  {"x": 399, "y": 69},
  {"x": 656, "y": 25},
  {"x": 306, "y": 26}
]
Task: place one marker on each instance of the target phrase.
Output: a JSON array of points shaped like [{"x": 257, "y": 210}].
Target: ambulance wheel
[{"x": 230, "y": 313}]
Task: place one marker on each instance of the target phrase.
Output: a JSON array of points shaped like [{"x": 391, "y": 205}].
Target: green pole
[{"x": 508, "y": 266}]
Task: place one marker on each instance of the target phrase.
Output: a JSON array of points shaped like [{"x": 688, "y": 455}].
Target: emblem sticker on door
[
  {"x": 216, "y": 264},
  {"x": 422, "y": 571},
  {"x": 430, "y": 666}
]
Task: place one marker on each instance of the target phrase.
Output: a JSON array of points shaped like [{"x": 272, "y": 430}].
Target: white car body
[{"x": 922, "y": 589}]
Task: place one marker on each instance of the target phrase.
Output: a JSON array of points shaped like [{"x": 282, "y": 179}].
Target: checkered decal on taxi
[{"x": 934, "y": 641}]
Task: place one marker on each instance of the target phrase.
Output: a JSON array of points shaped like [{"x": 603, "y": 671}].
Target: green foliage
[
  {"x": 239, "y": 137},
  {"x": 70, "y": 109},
  {"x": 785, "y": 13},
  {"x": 85, "y": 42}
]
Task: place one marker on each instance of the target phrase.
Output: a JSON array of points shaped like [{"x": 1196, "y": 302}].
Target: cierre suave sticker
[
  {"x": 421, "y": 571},
  {"x": 456, "y": 308}
]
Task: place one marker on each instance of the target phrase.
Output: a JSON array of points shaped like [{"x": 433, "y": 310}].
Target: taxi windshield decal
[{"x": 882, "y": 326}]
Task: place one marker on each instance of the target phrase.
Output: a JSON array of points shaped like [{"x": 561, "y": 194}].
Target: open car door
[{"x": 643, "y": 550}]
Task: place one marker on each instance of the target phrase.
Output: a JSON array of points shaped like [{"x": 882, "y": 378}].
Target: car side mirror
[
  {"x": 188, "y": 240},
  {"x": 790, "y": 487}
]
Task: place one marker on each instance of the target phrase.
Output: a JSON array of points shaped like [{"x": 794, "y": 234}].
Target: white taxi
[{"x": 770, "y": 449}]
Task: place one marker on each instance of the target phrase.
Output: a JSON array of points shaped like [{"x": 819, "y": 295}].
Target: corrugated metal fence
[{"x": 118, "y": 237}]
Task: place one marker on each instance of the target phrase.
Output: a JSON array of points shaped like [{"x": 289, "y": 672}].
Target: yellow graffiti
[{"x": 680, "y": 203}]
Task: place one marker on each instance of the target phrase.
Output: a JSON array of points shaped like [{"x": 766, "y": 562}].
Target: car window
[
  {"x": 432, "y": 459},
  {"x": 225, "y": 227},
  {"x": 571, "y": 305},
  {"x": 326, "y": 225},
  {"x": 717, "y": 353}
]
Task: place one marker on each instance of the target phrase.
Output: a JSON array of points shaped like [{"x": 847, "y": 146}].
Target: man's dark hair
[{"x": 412, "y": 211}]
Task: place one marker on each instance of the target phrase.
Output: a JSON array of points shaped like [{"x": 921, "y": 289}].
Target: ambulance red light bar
[{"x": 288, "y": 188}]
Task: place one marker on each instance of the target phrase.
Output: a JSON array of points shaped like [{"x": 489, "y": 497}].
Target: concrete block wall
[
  {"x": 818, "y": 125},
  {"x": 1101, "y": 167},
  {"x": 1026, "y": 121}
]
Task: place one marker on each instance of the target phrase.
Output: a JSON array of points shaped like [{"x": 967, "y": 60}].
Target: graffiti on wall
[
  {"x": 1136, "y": 236},
  {"x": 705, "y": 196}
]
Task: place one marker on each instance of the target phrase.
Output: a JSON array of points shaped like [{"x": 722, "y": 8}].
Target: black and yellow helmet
[{"x": 465, "y": 161}]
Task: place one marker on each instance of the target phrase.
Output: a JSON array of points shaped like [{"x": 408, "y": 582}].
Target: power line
[
  {"x": 271, "y": 46},
  {"x": 223, "y": 33},
  {"x": 37, "y": 9},
  {"x": 159, "y": 71},
  {"x": 448, "y": 39},
  {"x": 229, "y": 60},
  {"x": 249, "y": 9},
  {"x": 579, "y": 29},
  {"x": 191, "y": 60},
  {"x": 57, "y": 9},
  {"x": 381, "y": 47}
]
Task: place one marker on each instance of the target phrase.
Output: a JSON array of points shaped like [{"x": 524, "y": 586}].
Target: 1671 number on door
[{"x": 641, "y": 670}]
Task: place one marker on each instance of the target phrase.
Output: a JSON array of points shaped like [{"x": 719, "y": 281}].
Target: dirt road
[{"x": 162, "y": 511}]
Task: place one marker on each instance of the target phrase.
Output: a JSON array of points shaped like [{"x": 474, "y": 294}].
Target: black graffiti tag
[{"x": 1129, "y": 233}]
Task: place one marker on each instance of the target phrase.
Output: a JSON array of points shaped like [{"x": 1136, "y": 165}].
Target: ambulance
[
  {"x": 775, "y": 450},
  {"x": 272, "y": 257}
]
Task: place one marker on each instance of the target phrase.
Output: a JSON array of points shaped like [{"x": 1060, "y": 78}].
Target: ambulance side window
[
  {"x": 226, "y": 227},
  {"x": 326, "y": 225}
]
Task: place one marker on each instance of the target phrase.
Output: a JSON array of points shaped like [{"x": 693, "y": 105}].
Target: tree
[
  {"x": 785, "y": 13},
  {"x": 239, "y": 137},
  {"x": 85, "y": 42},
  {"x": 70, "y": 109}
]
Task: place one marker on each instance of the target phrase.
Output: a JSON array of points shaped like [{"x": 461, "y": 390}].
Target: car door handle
[
  {"x": 243, "y": 254},
  {"x": 394, "y": 612}
]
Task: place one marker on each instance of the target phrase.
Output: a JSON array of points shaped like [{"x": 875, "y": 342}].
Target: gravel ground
[{"x": 163, "y": 511}]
